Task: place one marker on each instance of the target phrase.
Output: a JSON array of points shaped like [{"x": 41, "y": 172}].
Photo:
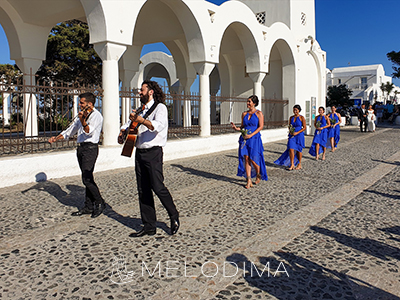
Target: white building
[
  {"x": 267, "y": 48},
  {"x": 364, "y": 81}
]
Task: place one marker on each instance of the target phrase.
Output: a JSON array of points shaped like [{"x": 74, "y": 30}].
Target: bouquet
[
  {"x": 318, "y": 125},
  {"x": 291, "y": 130},
  {"x": 244, "y": 132},
  {"x": 333, "y": 121}
]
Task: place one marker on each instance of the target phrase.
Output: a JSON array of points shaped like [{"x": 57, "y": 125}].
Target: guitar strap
[{"x": 152, "y": 108}]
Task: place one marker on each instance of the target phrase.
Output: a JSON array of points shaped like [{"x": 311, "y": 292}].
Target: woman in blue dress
[
  {"x": 321, "y": 124},
  {"x": 292, "y": 156},
  {"x": 251, "y": 150},
  {"x": 334, "y": 129}
]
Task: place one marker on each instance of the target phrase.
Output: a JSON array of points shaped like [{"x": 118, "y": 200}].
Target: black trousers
[
  {"x": 363, "y": 123},
  {"x": 87, "y": 155},
  {"x": 149, "y": 176}
]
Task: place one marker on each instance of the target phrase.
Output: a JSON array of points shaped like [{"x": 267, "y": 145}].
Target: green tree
[
  {"x": 388, "y": 88},
  {"x": 69, "y": 56},
  {"x": 9, "y": 73},
  {"x": 394, "y": 57},
  {"x": 11, "y": 77},
  {"x": 339, "y": 95}
]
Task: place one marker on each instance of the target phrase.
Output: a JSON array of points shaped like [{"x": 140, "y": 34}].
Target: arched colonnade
[{"x": 252, "y": 58}]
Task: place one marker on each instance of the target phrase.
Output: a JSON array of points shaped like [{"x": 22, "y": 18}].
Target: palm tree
[
  {"x": 389, "y": 88},
  {"x": 386, "y": 87}
]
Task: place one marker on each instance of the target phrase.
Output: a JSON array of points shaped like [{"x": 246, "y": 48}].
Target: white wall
[{"x": 62, "y": 164}]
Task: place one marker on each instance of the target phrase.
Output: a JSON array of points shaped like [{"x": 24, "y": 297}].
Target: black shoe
[
  {"x": 143, "y": 232},
  {"x": 174, "y": 226},
  {"x": 83, "y": 211},
  {"x": 98, "y": 210}
]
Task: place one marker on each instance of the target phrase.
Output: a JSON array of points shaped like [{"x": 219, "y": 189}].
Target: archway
[
  {"x": 238, "y": 50},
  {"x": 280, "y": 83}
]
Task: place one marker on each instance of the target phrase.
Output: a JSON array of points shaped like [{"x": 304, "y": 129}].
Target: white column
[
  {"x": 178, "y": 112},
  {"x": 29, "y": 67},
  {"x": 110, "y": 54},
  {"x": 185, "y": 84},
  {"x": 257, "y": 78},
  {"x": 6, "y": 115},
  {"x": 204, "y": 69},
  {"x": 126, "y": 105},
  {"x": 187, "y": 116},
  {"x": 75, "y": 102}
]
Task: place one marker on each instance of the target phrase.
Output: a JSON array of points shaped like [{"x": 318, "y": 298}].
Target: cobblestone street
[{"x": 328, "y": 231}]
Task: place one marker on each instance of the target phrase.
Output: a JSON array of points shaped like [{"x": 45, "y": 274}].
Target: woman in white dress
[{"x": 371, "y": 119}]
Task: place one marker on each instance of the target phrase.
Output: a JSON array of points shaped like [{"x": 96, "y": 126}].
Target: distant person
[
  {"x": 88, "y": 127},
  {"x": 334, "y": 129},
  {"x": 394, "y": 115},
  {"x": 390, "y": 109},
  {"x": 379, "y": 111},
  {"x": 371, "y": 119},
  {"x": 292, "y": 156},
  {"x": 251, "y": 150},
  {"x": 363, "y": 118},
  {"x": 321, "y": 124}
]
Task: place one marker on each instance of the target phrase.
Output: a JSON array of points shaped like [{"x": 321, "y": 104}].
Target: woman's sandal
[
  {"x": 258, "y": 179},
  {"x": 249, "y": 183}
]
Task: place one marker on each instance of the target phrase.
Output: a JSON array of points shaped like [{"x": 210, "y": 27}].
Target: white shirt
[
  {"x": 158, "y": 136},
  {"x": 95, "y": 122}
]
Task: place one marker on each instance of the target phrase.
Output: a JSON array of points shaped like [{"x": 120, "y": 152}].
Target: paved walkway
[{"x": 329, "y": 231}]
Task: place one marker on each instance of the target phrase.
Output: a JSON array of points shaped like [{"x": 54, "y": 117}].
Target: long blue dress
[
  {"x": 320, "y": 137},
  {"x": 333, "y": 132},
  {"x": 252, "y": 147},
  {"x": 295, "y": 142}
]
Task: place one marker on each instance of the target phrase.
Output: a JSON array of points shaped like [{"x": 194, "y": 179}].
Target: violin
[{"x": 130, "y": 135}]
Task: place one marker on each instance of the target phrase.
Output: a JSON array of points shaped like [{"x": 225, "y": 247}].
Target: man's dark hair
[
  {"x": 159, "y": 96},
  {"x": 254, "y": 99},
  {"x": 298, "y": 107},
  {"x": 89, "y": 97}
]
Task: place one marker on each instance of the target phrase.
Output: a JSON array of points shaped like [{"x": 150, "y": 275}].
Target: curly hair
[{"x": 159, "y": 96}]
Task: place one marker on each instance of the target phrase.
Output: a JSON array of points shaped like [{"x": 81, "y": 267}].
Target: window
[
  {"x": 303, "y": 19},
  {"x": 261, "y": 17}
]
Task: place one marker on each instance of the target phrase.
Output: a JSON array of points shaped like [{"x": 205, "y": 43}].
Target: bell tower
[{"x": 298, "y": 15}]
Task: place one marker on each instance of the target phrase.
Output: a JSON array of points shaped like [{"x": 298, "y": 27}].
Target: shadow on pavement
[
  {"x": 396, "y": 197},
  {"x": 208, "y": 174},
  {"x": 366, "y": 245},
  {"x": 295, "y": 277},
  {"x": 75, "y": 198},
  {"x": 396, "y": 163},
  {"x": 392, "y": 231}
]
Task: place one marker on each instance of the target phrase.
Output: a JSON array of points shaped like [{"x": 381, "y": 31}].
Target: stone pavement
[{"x": 329, "y": 231}]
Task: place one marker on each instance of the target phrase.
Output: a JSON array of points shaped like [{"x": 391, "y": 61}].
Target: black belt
[
  {"x": 84, "y": 144},
  {"x": 142, "y": 150}
]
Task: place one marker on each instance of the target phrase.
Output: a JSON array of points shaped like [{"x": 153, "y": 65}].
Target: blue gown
[
  {"x": 253, "y": 148},
  {"x": 295, "y": 142},
  {"x": 320, "y": 137},
  {"x": 333, "y": 132}
]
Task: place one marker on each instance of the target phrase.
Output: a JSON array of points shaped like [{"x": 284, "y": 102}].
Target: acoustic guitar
[{"x": 130, "y": 136}]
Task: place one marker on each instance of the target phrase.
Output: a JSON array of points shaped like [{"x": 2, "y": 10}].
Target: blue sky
[{"x": 352, "y": 32}]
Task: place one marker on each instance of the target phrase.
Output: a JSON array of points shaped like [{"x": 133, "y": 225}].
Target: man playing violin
[
  {"x": 152, "y": 136},
  {"x": 88, "y": 127}
]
